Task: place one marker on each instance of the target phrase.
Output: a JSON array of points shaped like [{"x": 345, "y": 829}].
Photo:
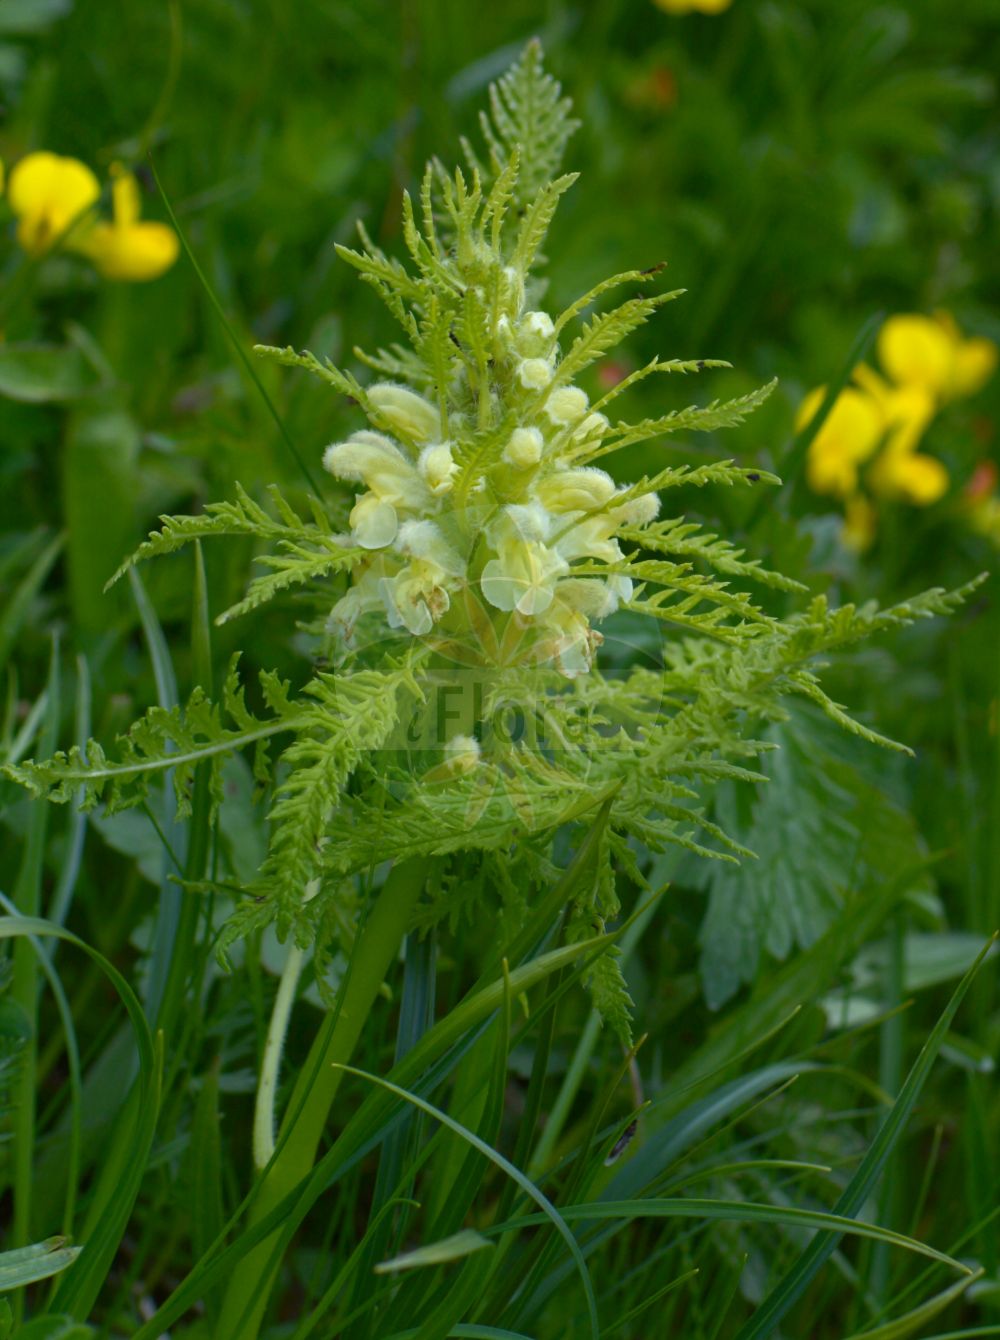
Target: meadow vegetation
[{"x": 500, "y": 754}]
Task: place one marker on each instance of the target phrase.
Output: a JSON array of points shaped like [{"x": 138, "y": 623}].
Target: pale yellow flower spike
[
  {"x": 47, "y": 193},
  {"x": 127, "y": 248},
  {"x": 932, "y": 353}
]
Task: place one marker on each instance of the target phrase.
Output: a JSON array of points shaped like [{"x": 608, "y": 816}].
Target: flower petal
[
  {"x": 47, "y": 192},
  {"x": 374, "y": 522},
  {"x": 131, "y": 253},
  {"x": 915, "y": 348},
  {"x": 912, "y": 477},
  {"x": 126, "y": 202},
  {"x": 975, "y": 363}
]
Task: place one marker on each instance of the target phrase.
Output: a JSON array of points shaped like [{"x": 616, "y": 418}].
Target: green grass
[{"x": 814, "y": 1086}]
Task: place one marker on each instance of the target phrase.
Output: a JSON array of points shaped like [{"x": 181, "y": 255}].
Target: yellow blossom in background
[
  {"x": 909, "y": 476},
  {"x": 692, "y": 6},
  {"x": 902, "y": 473},
  {"x": 47, "y": 193},
  {"x": 128, "y": 248},
  {"x": 930, "y": 352},
  {"x": 905, "y": 411},
  {"x": 878, "y": 421},
  {"x": 53, "y": 200},
  {"x": 849, "y": 435}
]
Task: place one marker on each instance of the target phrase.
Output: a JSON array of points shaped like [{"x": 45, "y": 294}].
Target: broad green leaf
[{"x": 821, "y": 830}]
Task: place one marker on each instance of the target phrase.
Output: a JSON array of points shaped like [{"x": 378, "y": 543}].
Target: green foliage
[
  {"x": 800, "y": 165},
  {"x": 174, "y": 740},
  {"x": 343, "y": 800},
  {"x": 821, "y": 831},
  {"x": 528, "y": 115},
  {"x": 40, "y": 1261},
  {"x": 705, "y": 419},
  {"x": 307, "y": 551}
]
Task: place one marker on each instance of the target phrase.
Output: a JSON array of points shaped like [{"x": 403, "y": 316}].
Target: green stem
[
  {"x": 574, "y": 1076},
  {"x": 270, "y": 1066},
  {"x": 376, "y": 948},
  {"x": 24, "y": 992}
]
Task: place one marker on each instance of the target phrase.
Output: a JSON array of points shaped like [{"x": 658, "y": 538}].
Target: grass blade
[
  {"x": 549, "y": 1211},
  {"x": 735, "y": 1212},
  {"x": 234, "y": 341},
  {"x": 905, "y": 1326},
  {"x": 790, "y": 1289},
  {"x": 118, "y": 1185},
  {"x": 790, "y": 467}
]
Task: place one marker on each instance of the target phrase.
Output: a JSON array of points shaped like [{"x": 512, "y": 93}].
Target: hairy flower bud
[
  {"x": 535, "y": 333},
  {"x": 534, "y": 374},
  {"x": 408, "y": 414},
  {"x": 579, "y": 490},
  {"x": 566, "y": 405},
  {"x": 438, "y": 468},
  {"x": 524, "y": 448}
]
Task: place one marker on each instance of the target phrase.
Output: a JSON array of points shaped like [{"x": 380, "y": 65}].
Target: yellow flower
[
  {"x": 931, "y": 352},
  {"x": 692, "y": 6},
  {"x": 849, "y": 435},
  {"x": 909, "y": 476},
  {"x": 524, "y": 574},
  {"x": 865, "y": 417},
  {"x": 128, "y": 248},
  {"x": 395, "y": 486},
  {"x": 860, "y": 523},
  {"x": 901, "y": 472},
  {"x": 47, "y": 194},
  {"x": 906, "y": 410}
]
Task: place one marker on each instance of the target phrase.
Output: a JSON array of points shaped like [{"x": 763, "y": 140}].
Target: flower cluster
[
  {"x": 54, "y": 200},
  {"x": 483, "y": 521},
  {"x": 868, "y": 443},
  {"x": 510, "y": 534}
]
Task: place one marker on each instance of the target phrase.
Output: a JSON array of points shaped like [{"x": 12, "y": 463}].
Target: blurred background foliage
[{"x": 804, "y": 168}]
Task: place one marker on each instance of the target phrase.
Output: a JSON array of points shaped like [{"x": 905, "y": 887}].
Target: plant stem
[
  {"x": 573, "y": 1078},
  {"x": 267, "y": 1086},
  {"x": 270, "y": 1067},
  {"x": 376, "y": 947},
  {"x": 24, "y": 993}
]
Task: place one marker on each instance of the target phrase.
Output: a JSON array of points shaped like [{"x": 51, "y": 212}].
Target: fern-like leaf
[
  {"x": 694, "y": 419},
  {"x": 527, "y": 113}
]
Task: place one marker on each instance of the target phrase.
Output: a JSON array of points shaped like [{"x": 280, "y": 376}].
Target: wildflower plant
[{"x": 466, "y": 567}]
